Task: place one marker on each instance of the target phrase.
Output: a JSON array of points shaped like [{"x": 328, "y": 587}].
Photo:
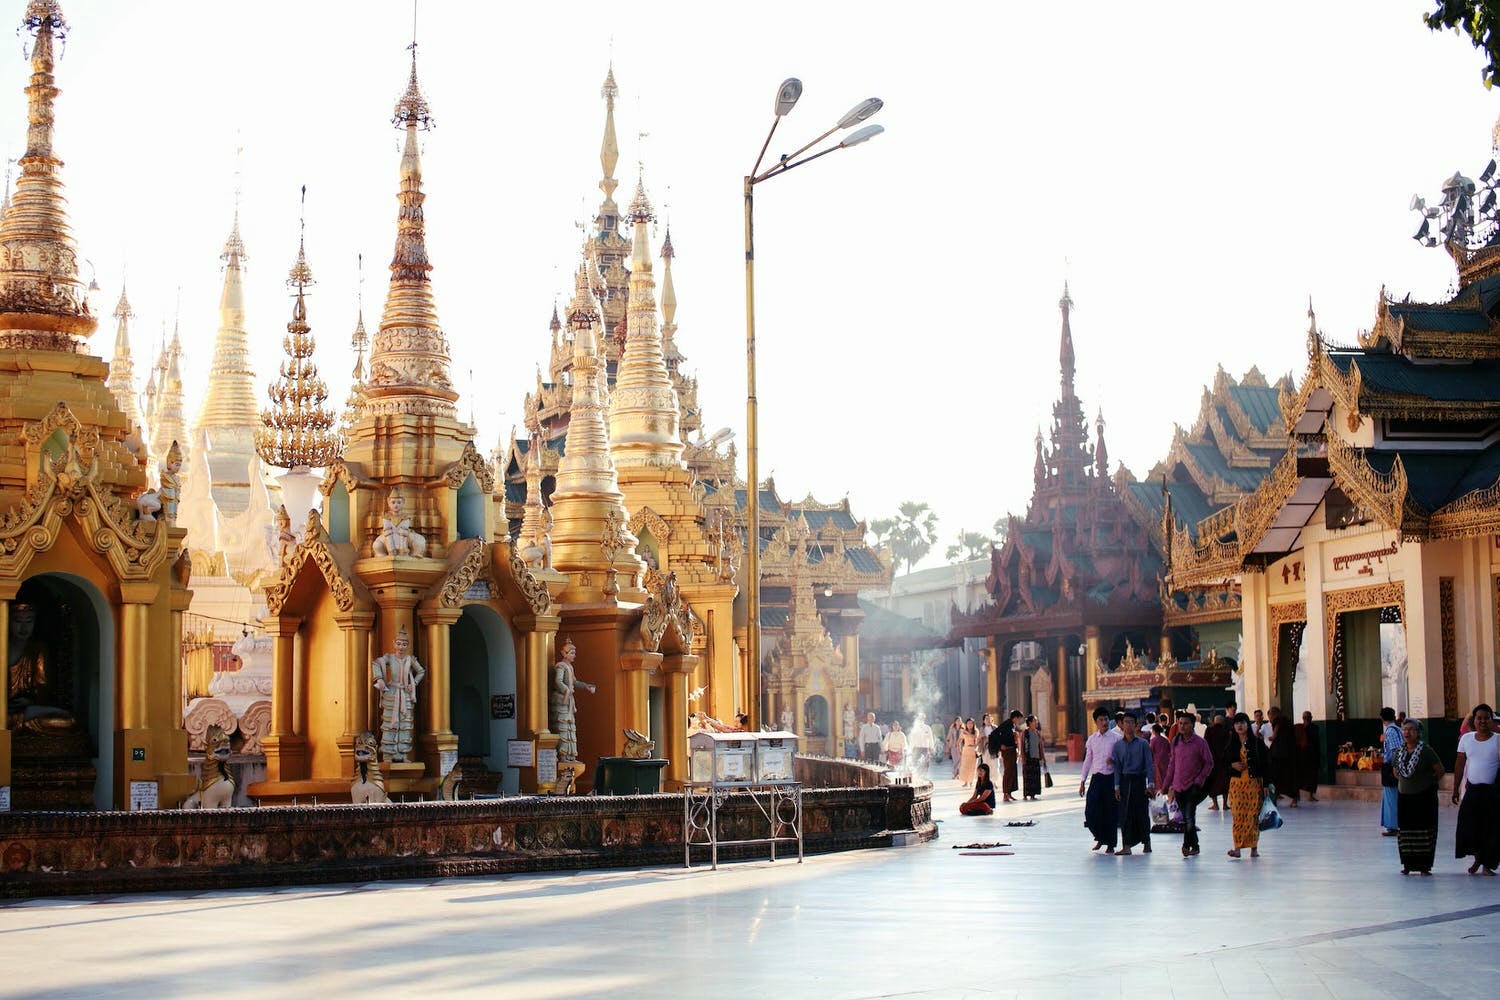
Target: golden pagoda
[
  {"x": 121, "y": 367},
  {"x": 481, "y": 621},
  {"x": 228, "y": 415},
  {"x": 167, "y": 421},
  {"x": 86, "y": 585}
]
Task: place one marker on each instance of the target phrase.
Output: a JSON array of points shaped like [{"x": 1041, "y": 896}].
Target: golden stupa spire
[
  {"x": 609, "y": 149},
  {"x": 38, "y": 258},
  {"x": 229, "y": 414},
  {"x": 297, "y": 428},
  {"x": 168, "y": 423},
  {"x": 588, "y": 497},
  {"x": 644, "y": 415},
  {"x": 668, "y": 294},
  {"x": 358, "y": 341},
  {"x": 121, "y": 379},
  {"x": 409, "y": 357}
]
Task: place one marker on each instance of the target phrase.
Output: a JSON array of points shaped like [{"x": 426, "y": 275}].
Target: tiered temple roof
[
  {"x": 1078, "y": 557},
  {"x": 1401, "y": 429}
]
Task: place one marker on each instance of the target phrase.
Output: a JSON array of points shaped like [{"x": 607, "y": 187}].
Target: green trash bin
[{"x": 628, "y": 776}]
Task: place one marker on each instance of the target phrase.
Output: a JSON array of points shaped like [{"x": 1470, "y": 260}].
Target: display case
[{"x": 762, "y": 766}]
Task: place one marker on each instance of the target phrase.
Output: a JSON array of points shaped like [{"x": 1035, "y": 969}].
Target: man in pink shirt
[{"x": 1187, "y": 777}]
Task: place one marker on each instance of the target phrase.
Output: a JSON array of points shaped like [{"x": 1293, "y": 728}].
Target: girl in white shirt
[{"x": 1478, "y": 833}]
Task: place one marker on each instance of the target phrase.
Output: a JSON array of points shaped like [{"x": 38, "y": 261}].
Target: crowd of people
[{"x": 1246, "y": 764}]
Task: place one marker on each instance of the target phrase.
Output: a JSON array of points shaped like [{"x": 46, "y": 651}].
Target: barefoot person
[
  {"x": 1135, "y": 784},
  {"x": 1100, "y": 815},
  {"x": 1478, "y": 832},
  {"x": 1418, "y": 772}
]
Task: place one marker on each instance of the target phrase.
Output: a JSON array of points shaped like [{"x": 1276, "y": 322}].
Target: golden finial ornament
[
  {"x": 122, "y": 366},
  {"x": 38, "y": 257},
  {"x": 409, "y": 363},
  {"x": 644, "y": 416},
  {"x": 297, "y": 429}
]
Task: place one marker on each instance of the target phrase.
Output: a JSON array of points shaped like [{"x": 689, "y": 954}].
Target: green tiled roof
[
  {"x": 817, "y": 518},
  {"x": 772, "y": 617},
  {"x": 1262, "y": 404},
  {"x": 1436, "y": 478},
  {"x": 515, "y": 492},
  {"x": 863, "y": 560},
  {"x": 1212, "y": 462},
  {"x": 1469, "y": 382},
  {"x": 1447, "y": 320}
]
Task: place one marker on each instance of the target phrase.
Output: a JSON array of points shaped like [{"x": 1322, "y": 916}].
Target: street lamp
[{"x": 787, "y": 96}]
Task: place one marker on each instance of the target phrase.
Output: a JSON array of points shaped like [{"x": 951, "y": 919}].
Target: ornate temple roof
[{"x": 1078, "y": 556}]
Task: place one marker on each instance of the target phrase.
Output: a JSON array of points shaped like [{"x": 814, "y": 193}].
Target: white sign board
[
  {"x": 518, "y": 753},
  {"x": 447, "y": 761},
  {"x": 142, "y": 796},
  {"x": 546, "y": 767}
]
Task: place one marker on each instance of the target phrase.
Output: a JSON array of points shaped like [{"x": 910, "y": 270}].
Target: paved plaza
[{"x": 1324, "y": 913}]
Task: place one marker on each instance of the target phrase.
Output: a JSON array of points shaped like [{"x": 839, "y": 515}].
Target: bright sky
[{"x": 1194, "y": 178}]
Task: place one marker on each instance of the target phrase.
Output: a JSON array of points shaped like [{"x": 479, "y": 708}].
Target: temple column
[
  {"x": 5, "y": 686},
  {"x": 135, "y": 653},
  {"x": 439, "y": 738},
  {"x": 285, "y": 748},
  {"x": 1060, "y": 689},
  {"x": 533, "y": 684},
  {"x": 1091, "y": 656},
  {"x": 994, "y": 697},
  {"x": 678, "y": 668},
  {"x": 355, "y": 626}
]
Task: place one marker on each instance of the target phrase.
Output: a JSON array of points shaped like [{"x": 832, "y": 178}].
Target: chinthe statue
[
  {"x": 368, "y": 786},
  {"x": 215, "y": 784},
  {"x": 564, "y": 714},
  {"x": 396, "y": 536},
  {"x": 29, "y": 693},
  {"x": 397, "y": 675}
]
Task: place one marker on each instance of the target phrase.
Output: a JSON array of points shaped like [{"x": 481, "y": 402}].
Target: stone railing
[{"x": 46, "y": 854}]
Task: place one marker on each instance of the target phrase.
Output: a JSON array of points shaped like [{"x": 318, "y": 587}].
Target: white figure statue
[
  {"x": 397, "y": 675},
  {"x": 396, "y": 536}
]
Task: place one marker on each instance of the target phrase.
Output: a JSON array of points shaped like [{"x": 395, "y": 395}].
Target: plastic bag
[
  {"x": 1270, "y": 816},
  {"x": 1158, "y": 807}
]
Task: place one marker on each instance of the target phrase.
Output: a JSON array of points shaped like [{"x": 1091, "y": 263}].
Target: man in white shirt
[{"x": 869, "y": 739}]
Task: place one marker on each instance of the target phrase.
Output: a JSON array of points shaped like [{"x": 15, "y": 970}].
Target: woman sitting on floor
[{"x": 982, "y": 802}]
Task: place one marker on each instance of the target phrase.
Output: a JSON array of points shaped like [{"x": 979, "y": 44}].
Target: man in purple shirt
[{"x": 1187, "y": 777}]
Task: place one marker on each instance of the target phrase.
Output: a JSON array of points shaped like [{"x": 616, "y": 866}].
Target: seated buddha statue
[{"x": 29, "y": 689}]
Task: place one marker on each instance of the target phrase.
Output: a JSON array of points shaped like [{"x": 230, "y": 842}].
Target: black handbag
[{"x": 1387, "y": 776}]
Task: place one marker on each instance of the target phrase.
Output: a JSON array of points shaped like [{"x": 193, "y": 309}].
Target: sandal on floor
[{"x": 1233, "y": 852}]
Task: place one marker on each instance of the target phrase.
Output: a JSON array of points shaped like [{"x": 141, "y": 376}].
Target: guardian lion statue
[
  {"x": 215, "y": 784},
  {"x": 368, "y": 787}
]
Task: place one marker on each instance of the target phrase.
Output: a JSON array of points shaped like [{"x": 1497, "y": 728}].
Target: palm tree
[
  {"x": 914, "y": 534},
  {"x": 968, "y": 545}
]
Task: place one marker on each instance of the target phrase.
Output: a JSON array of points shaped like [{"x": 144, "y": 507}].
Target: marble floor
[{"x": 1324, "y": 913}]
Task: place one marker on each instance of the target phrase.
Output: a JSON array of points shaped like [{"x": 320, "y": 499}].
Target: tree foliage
[
  {"x": 1479, "y": 19},
  {"x": 913, "y": 533},
  {"x": 969, "y": 545}
]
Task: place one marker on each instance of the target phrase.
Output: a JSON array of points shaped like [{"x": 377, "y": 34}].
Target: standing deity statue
[
  {"x": 397, "y": 675},
  {"x": 396, "y": 536},
  {"x": 1041, "y": 699},
  {"x": 564, "y": 721},
  {"x": 171, "y": 484},
  {"x": 284, "y": 539},
  {"x": 30, "y": 659}
]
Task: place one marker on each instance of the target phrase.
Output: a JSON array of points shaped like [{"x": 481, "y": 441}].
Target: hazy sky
[{"x": 1195, "y": 179}]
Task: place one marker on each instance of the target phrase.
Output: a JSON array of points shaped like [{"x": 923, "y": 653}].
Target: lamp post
[{"x": 786, "y": 99}]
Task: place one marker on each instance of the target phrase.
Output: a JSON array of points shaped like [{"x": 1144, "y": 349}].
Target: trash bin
[
  {"x": 628, "y": 776},
  {"x": 1075, "y": 747}
]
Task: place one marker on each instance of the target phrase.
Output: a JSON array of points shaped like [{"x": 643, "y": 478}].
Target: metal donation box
[{"x": 761, "y": 765}]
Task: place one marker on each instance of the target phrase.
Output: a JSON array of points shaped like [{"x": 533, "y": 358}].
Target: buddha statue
[
  {"x": 396, "y": 537},
  {"x": 30, "y": 660}
]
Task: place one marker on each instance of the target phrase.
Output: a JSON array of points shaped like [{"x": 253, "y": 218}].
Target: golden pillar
[
  {"x": 135, "y": 653},
  {"x": 5, "y": 686},
  {"x": 1060, "y": 689},
  {"x": 679, "y": 668},
  {"x": 994, "y": 702},
  {"x": 533, "y": 684},
  {"x": 355, "y": 627},
  {"x": 1091, "y": 655},
  {"x": 285, "y": 748},
  {"x": 439, "y": 737}
]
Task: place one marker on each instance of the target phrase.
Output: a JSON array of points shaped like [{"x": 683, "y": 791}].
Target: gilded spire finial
[
  {"x": 668, "y": 290},
  {"x": 609, "y": 149},
  {"x": 121, "y": 380},
  {"x": 39, "y": 273},
  {"x": 408, "y": 370},
  {"x": 297, "y": 429}
]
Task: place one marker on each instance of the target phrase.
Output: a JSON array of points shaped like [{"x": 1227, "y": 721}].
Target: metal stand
[{"x": 780, "y": 804}]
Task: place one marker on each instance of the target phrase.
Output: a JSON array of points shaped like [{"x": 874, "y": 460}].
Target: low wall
[{"x": 46, "y": 854}]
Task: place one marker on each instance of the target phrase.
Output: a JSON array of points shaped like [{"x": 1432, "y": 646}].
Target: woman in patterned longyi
[{"x": 1248, "y": 763}]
